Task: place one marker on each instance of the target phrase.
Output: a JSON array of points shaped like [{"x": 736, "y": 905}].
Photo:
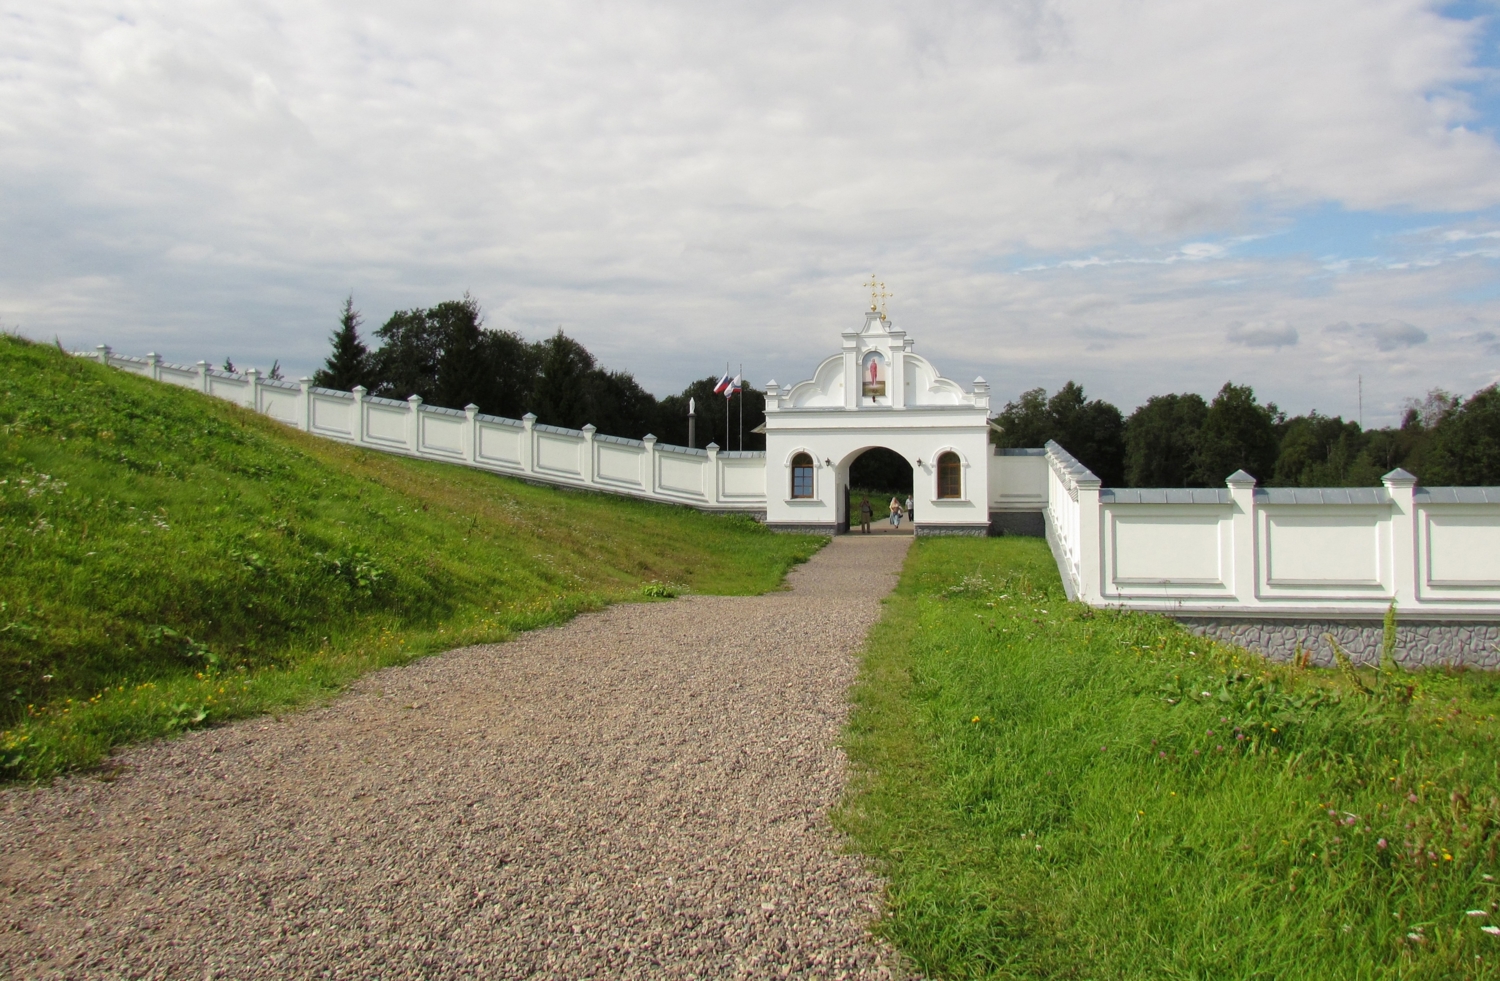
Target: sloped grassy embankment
[
  {"x": 1061, "y": 792},
  {"x": 168, "y": 560}
]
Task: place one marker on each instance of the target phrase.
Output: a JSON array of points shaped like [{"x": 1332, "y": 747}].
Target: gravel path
[{"x": 639, "y": 793}]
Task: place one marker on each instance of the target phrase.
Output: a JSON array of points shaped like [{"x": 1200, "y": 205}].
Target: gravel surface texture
[{"x": 642, "y": 792}]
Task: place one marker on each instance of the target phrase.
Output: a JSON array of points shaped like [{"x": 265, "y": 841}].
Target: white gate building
[{"x": 877, "y": 393}]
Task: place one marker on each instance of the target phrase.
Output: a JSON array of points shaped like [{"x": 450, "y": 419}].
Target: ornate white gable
[{"x": 876, "y": 370}]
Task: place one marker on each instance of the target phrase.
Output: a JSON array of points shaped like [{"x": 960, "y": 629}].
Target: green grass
[
  {"x": 168, "y": 560},
  {"x": 1059, "y": 792}
]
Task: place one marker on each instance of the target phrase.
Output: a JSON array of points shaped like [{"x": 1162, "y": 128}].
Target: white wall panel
[
  {"x": 281, "y": 404},
  {"x": 1017, "y": 481},
  {"x": 559, "y": 454},
  {"x": 681, "y": 474},
  {"x": 500, "y": 444},
  {"x": 229, "y": 389},
  {"x": 743, "y": 478},
  {"x": 386, "y": 424},
  {"x": 180, "y": 376},
  {"x": 1462, "y": 548},
  {"x": 1327, "y": 547},
  {"x": 443, "y": 434},
  {"x": 333, "y": 416},
  {"x": 1157, "y": 547},
  {"x": 619, "y": 464}
]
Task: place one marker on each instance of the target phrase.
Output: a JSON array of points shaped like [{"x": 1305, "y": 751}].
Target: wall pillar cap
[
  {"x": 529, "y": 417},
  {"x": 1399, "y": 478},
  {"x": 590, "y": 428},
  {"x": 648, "y": 439},
  {"x": 415, "y": 400},
  {"x": 1240, "y": 479},
  {"x": 712, "y": 446},
  {"x": 304, "y": 380},
  {"x": 360, "y": 391}
]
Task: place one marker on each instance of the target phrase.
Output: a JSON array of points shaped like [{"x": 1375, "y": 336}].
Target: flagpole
[
  {"x": 726, "y": 407},
  {"x": 741, "y": 377}
]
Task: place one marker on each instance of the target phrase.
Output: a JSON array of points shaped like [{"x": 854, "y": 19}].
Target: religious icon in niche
[{"x": 873, "y": 386}]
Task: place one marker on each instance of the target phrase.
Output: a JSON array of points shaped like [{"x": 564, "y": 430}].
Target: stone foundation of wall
[
  {"x": 1030, "y": 524},
  {"x": 974, "y": 531},
  {"x": 1419, "y": 643},
  {"x": 799, "y": 529}
]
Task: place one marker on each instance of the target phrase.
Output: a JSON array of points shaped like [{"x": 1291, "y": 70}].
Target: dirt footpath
[{"x": 639, "y": 793}]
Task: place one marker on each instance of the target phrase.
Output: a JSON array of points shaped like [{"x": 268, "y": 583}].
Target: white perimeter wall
[
  {"x": 706, "y": 479},
  {"x": 1243, "y": 550}
]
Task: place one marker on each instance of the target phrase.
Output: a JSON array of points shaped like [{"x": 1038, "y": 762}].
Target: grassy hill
[{"x": 170, "y": 560}]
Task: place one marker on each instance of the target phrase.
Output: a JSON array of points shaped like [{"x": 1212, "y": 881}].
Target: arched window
[
  {"x": 802, "y": 475},
  {"x": 950, "y": 476}
]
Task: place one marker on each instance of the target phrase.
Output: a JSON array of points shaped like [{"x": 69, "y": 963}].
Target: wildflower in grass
[
  {"x": 1493, "y": 931},
  {"x": 1477, "y": 912},
  {"x": 1382, "y": 844},
  {"x": 1412, "y": 798}
]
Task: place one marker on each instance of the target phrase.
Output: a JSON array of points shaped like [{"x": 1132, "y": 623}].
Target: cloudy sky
[{"x": 1143, "y": 195}]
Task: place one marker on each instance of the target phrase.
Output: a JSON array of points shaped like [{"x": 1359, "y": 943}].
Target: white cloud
[
  {"x": 1391, "y": 335},
  {"x": 679, "y": 183},
  {"x": 1272, "y": 335}
]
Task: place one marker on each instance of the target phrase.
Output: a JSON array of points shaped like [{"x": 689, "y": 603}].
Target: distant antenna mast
[{"x": 1361, "y": 401}]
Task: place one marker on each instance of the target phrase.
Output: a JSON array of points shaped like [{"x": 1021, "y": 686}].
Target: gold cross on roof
[
  {"x": 872, "y": 286},
  {"x": 883, "y": 297}
]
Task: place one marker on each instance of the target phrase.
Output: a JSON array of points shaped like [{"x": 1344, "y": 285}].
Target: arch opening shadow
[{"x": 881, "y": 471}]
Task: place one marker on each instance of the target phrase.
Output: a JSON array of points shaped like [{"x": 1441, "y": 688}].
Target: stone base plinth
[
  {"x": 1030, "y": 524},
  {"x": 1419, "y": 643}
]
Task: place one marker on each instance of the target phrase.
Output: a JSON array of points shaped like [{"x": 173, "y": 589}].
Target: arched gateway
[{"x": 878, "y": 393}]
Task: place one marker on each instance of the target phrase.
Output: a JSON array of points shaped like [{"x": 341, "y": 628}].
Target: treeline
[
  {"x": 1185, "y": 441},
  {"x": 447, "y": 356}
]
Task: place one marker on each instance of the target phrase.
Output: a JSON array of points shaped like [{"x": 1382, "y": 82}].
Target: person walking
[
  {"x": 865, "y": 514},
  {"x": 895, "y": 513},
  {"x": 911, "y": 514}
]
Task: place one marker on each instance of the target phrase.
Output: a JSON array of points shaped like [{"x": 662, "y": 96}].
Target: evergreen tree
[
  {"x": 1237, "y": 434},
  {"x": 1161, "y": 441},
  {"x": 348, "y": 364},
  {"x": 1465, "y": 446},
  {"x": 560, "y": 396},
  {"x": 1317, "y": 451},
  {"x": 1093, "y": 431}
]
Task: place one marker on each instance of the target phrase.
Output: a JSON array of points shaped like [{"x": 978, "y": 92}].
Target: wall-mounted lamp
[
  {"x": 919, "y": 461},
  {"x": 827, "y": 462}
]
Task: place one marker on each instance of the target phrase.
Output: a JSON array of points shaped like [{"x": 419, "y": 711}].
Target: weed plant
[
  {"x": 1056, "y": 791},
  {"x": 169, "y": 560}
]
